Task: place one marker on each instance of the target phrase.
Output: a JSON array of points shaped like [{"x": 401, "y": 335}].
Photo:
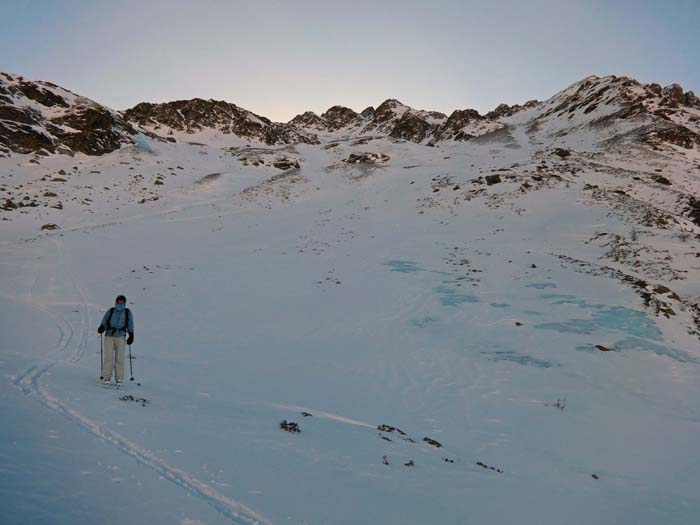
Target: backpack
[{"x": 113, "y": 329}]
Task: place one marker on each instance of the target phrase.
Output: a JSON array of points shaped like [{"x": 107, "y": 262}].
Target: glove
[
  {"x": 130, "y": 339},
  {"x": 100, "y": 329}
]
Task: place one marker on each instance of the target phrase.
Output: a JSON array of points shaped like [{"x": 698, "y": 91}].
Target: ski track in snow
[{"x": 30, "y": 384}]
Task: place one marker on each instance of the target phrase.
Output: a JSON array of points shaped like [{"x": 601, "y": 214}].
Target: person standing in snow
[{"x": 116, "y": 323}]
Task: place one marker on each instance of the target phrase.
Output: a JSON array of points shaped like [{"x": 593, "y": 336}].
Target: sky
[{"x": 281, "y": 58}]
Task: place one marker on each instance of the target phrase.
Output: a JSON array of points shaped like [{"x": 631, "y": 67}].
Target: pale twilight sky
[{"x": 280, "y": 58}]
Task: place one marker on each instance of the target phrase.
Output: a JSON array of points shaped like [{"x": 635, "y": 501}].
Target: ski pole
[
  {"x": 102, "y": 363},
  {"x": 131, "y": 366}
]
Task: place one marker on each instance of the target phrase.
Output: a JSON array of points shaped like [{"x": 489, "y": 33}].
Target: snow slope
[{"x": 528, "y": 309}]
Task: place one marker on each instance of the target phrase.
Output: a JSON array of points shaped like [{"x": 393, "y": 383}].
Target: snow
[{"x": 363, "y": 297}]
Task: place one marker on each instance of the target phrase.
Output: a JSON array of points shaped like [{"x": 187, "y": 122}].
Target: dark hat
[{"x": 120, "y": 297}]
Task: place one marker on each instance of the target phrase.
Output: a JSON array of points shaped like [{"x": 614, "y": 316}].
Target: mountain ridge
[{"x": 43, "y": 118}]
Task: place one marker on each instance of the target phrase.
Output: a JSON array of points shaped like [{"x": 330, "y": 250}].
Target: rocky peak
[
  {"x": 389, "y": 110},
  {"x": 338, "y": 117},
  {"x": 193, "y": 116},
  {"x": 309, "y": 119},
  {"x": 367, "y": 113}
]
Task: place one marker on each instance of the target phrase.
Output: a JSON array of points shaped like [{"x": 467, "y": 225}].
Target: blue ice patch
[
  {"x": 633, "y": 343},
  {"x": 521, "y": 359},
  {"x": 541, "y": 286},
  {"x": 450, "y": 297},
  {"x": 143, "y": 143},
  {"x": 404, "y": 266},
  {"x": 574, "y": 326},
  {"x": 619, "y": 318}
]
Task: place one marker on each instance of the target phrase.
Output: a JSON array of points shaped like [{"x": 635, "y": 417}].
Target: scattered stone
[
  {"x": 483, "y": 465},
  {"x": 306, "y": 414},
  {"x": 58, "y": 179},
  {"x": 660, "y": 179},
  {"x": 50, "y": 194},
  {"x": 290, "y": 426},
  {"x": 595, "y": 476},
  {"x": 384, "y": 460},
  {"x": 563, "y": 153},
  {"x": 448, "y": 460},
  {"x": 389, "y": 428},
  {"x": 492, "y": 179},
  {"x": 432, "y": 442},
  {"x": 409, "y": 464},
  {"x": 141, "y": 400},
  {"x": 9, "y": 205},
  {"x": 560, "y": 404},
  {"x": 50, "y": 227}
]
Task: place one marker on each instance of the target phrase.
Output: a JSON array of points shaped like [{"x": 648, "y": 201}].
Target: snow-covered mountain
[
  {"x": 211, "y": 121},
  {"x": 491, "y": 318},
  {"x": 44, "y": 118}
]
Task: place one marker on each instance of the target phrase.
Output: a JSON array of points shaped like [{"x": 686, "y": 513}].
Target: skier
[{"x": 116, "y": 323}]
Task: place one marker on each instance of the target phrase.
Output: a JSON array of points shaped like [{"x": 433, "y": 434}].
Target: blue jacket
[{"x": 118, "y": 321}]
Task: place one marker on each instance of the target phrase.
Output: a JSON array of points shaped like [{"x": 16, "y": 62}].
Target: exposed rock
[
  {"x": 411, "y": 127},
  {"x": 290, "y": 426},
  {"x": 484, "y": 465},
  {"x": 690, "y": 207},
  {"x": 660, "y": 179},
  {"x": 673, "y": 95},
  {"x": 338, "y": 117},
  {"x": 39, "y": 117},
  {"x": 432, "y": 442},
  {"x": 9, "y": 205},
  {"x": 504, "y": 110},
  {"x": 309, "y": 120},
  {"x": 366, "y": 158},
  {"x": 286, "y": 164},
  {"x": 195, "y": 115},
  {"x": 367, "y": 113},
  {"x": 453, "y": 127}
]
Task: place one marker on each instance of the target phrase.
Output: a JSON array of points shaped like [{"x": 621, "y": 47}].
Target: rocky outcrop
[
  {"x": 366, "y": 158},
  {"x": 40, "y": 117}
]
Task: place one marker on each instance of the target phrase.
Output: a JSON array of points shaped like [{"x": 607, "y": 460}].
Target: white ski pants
[{"x": 113, "y": 358}]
